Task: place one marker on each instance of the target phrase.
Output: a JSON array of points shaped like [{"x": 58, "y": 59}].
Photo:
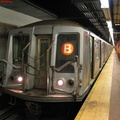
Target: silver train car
[{"x": 52, "y": 61}]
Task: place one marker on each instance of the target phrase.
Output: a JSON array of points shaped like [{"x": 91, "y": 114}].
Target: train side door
[
  {"x": 96, "y": 57},
  {"x": 91, "y": 54},
  {"x": 102, "y": 53},
  {"x": 42, "y": 44}
]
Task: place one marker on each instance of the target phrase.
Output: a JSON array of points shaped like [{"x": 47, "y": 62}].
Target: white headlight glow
[
  {"x": 60, "y": 82},
  {"x": 20, "y": 79}
]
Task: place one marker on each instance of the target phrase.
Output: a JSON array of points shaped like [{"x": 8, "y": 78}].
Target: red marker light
[
  {"x": 86, "y": 34},
  {"x": 6, "y": 1}
]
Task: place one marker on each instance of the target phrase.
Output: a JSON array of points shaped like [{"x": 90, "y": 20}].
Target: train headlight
[
  {"x": 20, "y": 79},
  {"x": 70, "y": 82},
  {"x": 60, "y": 82}
]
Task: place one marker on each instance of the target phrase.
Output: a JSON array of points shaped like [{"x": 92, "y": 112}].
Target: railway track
[
  {"x": 11, "y": 113},
  {"x": 14, "y": 109}
]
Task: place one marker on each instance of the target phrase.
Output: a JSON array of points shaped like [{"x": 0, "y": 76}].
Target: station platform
[{"x": 103, "y": 101}]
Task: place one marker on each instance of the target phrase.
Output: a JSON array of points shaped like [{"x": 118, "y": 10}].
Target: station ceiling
[
  {"x": 115, "y": 15},
  {"x": 88, "y": 13}
]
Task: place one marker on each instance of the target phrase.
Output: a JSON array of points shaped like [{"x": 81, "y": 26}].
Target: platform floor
[{"x": 103, "y": 102}]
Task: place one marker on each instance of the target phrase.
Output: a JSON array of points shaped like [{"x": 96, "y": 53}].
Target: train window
[
  {"x": 19, "y": 42},
  {"x": 43, "y": 43},
  {"x": 70, "y": 41},
  {"x": 44, "y": 46}
]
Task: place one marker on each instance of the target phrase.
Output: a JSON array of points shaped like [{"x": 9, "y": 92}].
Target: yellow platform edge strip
[{"x": 97, "y": 103}]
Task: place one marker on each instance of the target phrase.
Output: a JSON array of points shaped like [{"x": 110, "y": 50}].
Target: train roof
[{"x": 53, "y": 22}]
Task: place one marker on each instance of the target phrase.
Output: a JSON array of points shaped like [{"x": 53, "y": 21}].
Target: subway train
[{"x": 52, "y": 61}]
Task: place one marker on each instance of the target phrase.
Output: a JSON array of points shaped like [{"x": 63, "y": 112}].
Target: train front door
[{"x": 42, "y": 44}]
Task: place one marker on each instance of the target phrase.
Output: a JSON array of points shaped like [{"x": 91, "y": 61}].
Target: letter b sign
[{"x": 67, "y": 48}]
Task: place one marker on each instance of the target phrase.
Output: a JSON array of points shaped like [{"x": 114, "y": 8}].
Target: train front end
[{"x": 43, "y": 64}]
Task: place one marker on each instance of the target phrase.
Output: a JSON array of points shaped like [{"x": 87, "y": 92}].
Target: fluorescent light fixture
[
  {"x": 109, "y": 23},
  {"x": 104, "y": 3},
  {"x": 117, "y": 24}
]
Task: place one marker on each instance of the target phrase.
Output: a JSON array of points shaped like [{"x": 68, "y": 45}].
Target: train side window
[
  {"x": 19, "y": 42},
  {"x": 69, "y": 40},
  {"x": 97, "y": 50}
]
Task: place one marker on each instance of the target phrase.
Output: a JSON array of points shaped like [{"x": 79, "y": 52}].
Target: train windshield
[
  {"x": 67, "y": 48},
  {"x": 19, "y": 42}
]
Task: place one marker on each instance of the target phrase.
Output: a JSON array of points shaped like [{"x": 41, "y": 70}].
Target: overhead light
[
  {"x": 117, "y": 24},
  {"x": 109, "y": 23},
  {"x": 104, "y": 3}
]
